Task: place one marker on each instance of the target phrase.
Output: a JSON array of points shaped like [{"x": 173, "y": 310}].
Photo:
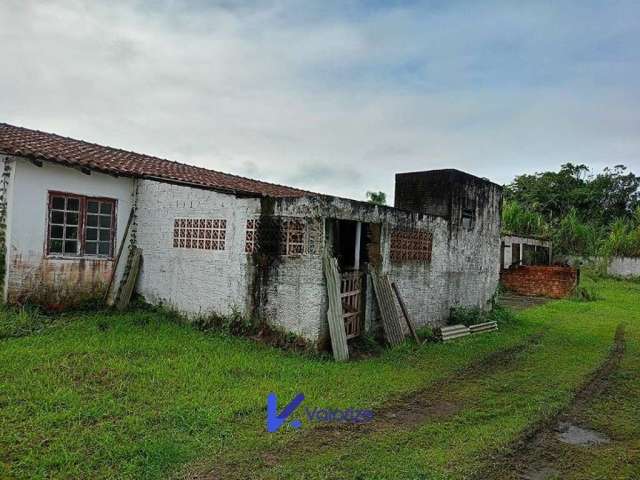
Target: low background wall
[
  {"x": 624, "y": 267},
  {"x": 540, "y": 281}
]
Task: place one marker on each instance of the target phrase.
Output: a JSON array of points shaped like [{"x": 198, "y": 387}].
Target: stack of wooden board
[
  {"x": 452, "y": 332},
  {"x": 484, "y": 327}
]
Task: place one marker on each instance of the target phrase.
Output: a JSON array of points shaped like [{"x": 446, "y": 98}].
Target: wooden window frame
[{"x": 82, "y": 226}]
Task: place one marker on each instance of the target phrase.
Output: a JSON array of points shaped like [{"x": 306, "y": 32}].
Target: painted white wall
[
  {"x": 463, "y": 270},
  {"x": 27, "y": 220},
  {"x": 509, "y": 240},
  {"x": 193, "y": 281}
]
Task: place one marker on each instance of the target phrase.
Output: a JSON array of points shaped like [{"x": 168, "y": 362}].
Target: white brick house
[{"x": 217, "y": 243}]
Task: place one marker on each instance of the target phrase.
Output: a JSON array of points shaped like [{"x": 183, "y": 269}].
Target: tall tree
[
  {"x": 582, "y": 212},
  {"x": 379, "y": 198},
  {"x": 601, "y": 198}
]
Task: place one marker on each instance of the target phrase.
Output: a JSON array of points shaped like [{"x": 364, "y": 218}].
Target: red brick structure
[{"x": 540, "y": 281}]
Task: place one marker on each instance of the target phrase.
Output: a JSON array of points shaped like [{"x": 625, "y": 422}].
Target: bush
[
  {"x": 233, "y": 324},
  {"x": 426, "y": 334},
  {"x": 623, "y": 239},
  {"x": 466, "y": 316},
  {"x": 574, "y": 237},
  {"x": 365, "y": 345},
  {"x": 502, "y": 315},
  {"x": 585, "y": 294},
  {"x": 473, "y": 315},
  {"x": 18, "y": 322},
  {"x": 521, "y": 221}
]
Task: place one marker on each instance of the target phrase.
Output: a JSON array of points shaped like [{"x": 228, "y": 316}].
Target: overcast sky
[{"x": 332, "y": 96}]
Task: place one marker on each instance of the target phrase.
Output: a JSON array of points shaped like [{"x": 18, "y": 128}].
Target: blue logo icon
[{"x": 275, "y": 420}]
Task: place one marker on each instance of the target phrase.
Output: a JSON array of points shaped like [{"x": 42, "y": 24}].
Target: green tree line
[{"x": 581, "y": 212}]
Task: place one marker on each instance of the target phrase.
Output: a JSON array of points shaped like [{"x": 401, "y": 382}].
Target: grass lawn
[{"x": 138, "y": 396}]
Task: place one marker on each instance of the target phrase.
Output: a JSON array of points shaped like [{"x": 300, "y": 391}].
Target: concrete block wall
[
  {"x": 473, "y": 269},
  {"x": 463, "y": 271},
  {"x": 430, "y": 290},
  {"x": 193, "y": 281},
  {"x": 625, "y": 267},
  {"x": 202, "y": 282},
  {"x": 424, "y": 286},
  {"x": 540, "y": 281},
  {"x": 296, "y": 298}
]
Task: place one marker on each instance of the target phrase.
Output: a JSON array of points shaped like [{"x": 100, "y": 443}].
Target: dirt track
[
  {"x": 535, "y": 455},
  {"x": 437, "y": 401}
]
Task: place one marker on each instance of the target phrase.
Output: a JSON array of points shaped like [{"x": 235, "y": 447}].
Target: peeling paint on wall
[
  {"x": 287, "y": 291},
  {"x": 56, "y": 282}
]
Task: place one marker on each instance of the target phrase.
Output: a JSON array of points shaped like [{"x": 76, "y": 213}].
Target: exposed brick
[{"x": 540, "y": 281}]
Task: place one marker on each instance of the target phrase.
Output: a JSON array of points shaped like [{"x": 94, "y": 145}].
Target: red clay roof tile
[{"x": 39, "y": 145}]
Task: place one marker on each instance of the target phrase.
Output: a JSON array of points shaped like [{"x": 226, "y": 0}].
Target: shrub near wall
[{"x": 540, "y": 281}]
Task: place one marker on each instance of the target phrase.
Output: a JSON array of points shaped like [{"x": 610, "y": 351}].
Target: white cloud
[{"x": 333, "y": 98}]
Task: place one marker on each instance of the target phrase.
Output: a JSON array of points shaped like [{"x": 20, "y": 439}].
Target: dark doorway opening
[
  {"x": 354, "y": 245},
  {"x": 350, "y": 240}
]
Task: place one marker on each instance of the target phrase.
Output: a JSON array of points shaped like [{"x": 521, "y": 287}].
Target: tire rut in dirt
[
  {"x": 436, "y": 401},
  {"x": 532, "y": 455}
]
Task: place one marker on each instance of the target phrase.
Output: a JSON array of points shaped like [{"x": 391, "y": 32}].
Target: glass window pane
[
  {"x": 57, "y": 217},
  {"x": 72, "y": 218},
  {"x": 73, "y": 204},
  {"x": 105, "y": 234},
  {"x": 57, "y": 203},
  {"x": 55, "y": 246},
  {"x": 92, "y": 220},
  {"x": 91, "y": 248},
  {"x": 70, "y": 246},
  {"x": 103, "y": 248},
  {"x": 92, "y": 206},
  {"x": 105, "y": 221},
  {"x": 57, "y": 231},
  {"x": 92, "y": 233},
  {"x": 105, "y": 207},
  {"x": 71, "y": 233}
]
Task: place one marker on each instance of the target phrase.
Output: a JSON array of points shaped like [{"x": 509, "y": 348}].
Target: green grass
[
  {"x": 139, "y": 396},
  {"x": 503, "y": 404}
]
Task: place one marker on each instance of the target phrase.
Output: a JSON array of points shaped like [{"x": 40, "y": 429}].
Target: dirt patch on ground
[
  {"x": 520, "y": 302},
  {"x": 436, "y": 402},
  {"x": 535, "y": 455}
]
